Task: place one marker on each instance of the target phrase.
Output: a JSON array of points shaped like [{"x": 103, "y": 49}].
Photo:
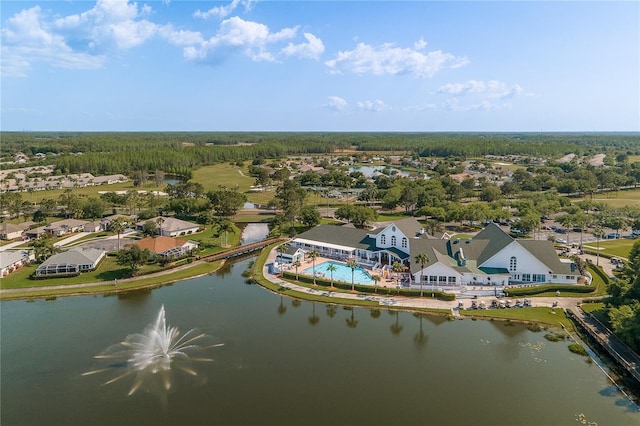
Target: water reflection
[
  {"x": 313, "y": 319},
  {"x": 420, "y": 338},
  {"x": 508, "y": 328},
  {"x": 332, "y": 310},
  {"x": 396, "y": 328},
  {"x": 351, "y": 321},
  {"x": 135, "y": 297},
  {"x": 254, "y": 232},
  {"x": 225, "y": 269},
  {"x": 282, "y": 309}
]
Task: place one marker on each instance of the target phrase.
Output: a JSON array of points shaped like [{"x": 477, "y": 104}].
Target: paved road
[
  {"x": 71, "y": 239},
  {"x": 11, "y": 245}
]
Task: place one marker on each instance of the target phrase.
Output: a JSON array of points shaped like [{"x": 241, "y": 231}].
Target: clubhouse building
[{"x": 492, "y": 257}]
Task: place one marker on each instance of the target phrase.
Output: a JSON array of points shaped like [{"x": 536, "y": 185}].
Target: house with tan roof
[
  {"x": 10, "y": 231},
  {"x": 167, "y": 246}
]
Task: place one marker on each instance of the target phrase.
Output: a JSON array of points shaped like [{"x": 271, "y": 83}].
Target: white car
[{"x": 561, "y": 241}]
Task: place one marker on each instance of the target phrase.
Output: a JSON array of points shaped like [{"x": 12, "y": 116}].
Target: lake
[{"x": 289, "y": 362}]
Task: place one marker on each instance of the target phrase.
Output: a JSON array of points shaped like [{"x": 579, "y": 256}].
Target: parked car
[
  {"x": 561, "y": 241},
  {"x": 612, "y": 236}
]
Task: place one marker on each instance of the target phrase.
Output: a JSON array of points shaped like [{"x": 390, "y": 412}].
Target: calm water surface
[{"x": 289, "y": 363}]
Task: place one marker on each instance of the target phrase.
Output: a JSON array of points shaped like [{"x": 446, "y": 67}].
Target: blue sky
[{"x": 320, "y": 66}]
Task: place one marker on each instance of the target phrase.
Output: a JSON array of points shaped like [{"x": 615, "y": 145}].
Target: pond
[{"x": 286, "y": 362}]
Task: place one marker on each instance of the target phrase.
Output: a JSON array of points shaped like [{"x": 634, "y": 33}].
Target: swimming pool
[{"x": 342, "y": 273}]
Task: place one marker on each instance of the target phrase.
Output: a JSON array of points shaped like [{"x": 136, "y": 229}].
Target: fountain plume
[{"x": 154, "y": 355}]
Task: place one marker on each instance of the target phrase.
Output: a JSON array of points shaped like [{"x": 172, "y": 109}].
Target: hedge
[
  {"x": 599, "y": 271},
  {"x": 530, "y": 291},
  {"x": 368, "y": 288}
]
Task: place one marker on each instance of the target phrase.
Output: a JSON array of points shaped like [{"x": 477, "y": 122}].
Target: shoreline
[{"x": 278, "y": 285}]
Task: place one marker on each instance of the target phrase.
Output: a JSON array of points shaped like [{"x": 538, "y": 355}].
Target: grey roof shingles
[
  {"x": 74, "y": 257},
  {"x": 477, "y": 250}
]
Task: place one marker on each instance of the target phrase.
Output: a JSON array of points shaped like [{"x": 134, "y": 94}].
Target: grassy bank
[
  {"x": 109, "y": 287},
  {"x": 549, "y": 316}
]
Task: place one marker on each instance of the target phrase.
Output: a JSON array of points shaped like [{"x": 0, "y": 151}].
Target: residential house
[
  {"x": 11, "y": 231},
  {"x": 72, "y": 262},
  {"x": 167, "y": 246},
  {"x": 12, "y": 260},
  {"x": 66, "y": 226},
  {"x": 170, "y": 226},
  {"x": 128, "y": 221}
]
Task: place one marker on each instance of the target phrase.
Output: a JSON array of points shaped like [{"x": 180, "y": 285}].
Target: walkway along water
[{"x": 620, "y": 352}]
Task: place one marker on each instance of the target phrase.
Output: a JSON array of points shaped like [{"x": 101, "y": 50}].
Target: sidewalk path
[{"x": 71, "y": 239}]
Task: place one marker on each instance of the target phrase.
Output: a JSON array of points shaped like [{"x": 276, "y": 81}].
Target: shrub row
[
  {"x": 568, "y": 288},
  {"x": 369, "y": 288},
  {"x": 598, "y": 271}
]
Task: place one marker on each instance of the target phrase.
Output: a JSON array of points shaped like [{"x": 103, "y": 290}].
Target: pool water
[{"x": 342, "y": 273}]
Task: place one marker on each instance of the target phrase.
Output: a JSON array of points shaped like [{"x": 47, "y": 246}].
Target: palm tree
[
  {"x": 313, "y": 254},
  {"x": 331, "y": 268},
  {"x": 282, "y": 248},
  {"x": 422, "y": 259},
  {"x": 597, "y": 230},
  {"x": 396, "y": 328},
  {"x": 352, "y": 322},
  {"x": 398, "y": 267},
  {"x": 420, "y": 338},
  {"x": 332, "y": 310},
  {"x": 117, "y": 226},
  {"x": 313, "y": 319},
  {"x": 225, "y": 226},
  {"x": 296, "y": 264},
  {"x": 159, "y": 222},
  {"x": 282, "y": 308},
  {"x": 375, "y": 279},
  {"x": 353, "y": 264}
]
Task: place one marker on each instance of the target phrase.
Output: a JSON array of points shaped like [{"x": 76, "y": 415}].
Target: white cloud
[
  {"x": 493, "y": 89},
  {"x": 252, "y": 39},
  {"x": 388, "y": 59},
  {"x": 372, "y": 106},
  {"x": 83, "y": 40},
  {"x": 312, "y": 49},
  {"x": 27, "y": 39},
  {"x": 336, "y": 103},
  {"x": 217, "y": 11},
  {"x": 118, "y": 22}
]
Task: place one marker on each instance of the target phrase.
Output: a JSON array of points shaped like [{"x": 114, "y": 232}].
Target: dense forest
[{"x": 175, "y": 151}]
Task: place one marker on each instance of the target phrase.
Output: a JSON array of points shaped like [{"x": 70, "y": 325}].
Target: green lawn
[
  {"x": 107, "y": 271},
  {"x": 611, "y": 248},
  {"x": 628, "y": 197},
  {"x": 109, "y": 287},
  {"x": 550, "y": 316},
  {"x": 590, "y": 307}
]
